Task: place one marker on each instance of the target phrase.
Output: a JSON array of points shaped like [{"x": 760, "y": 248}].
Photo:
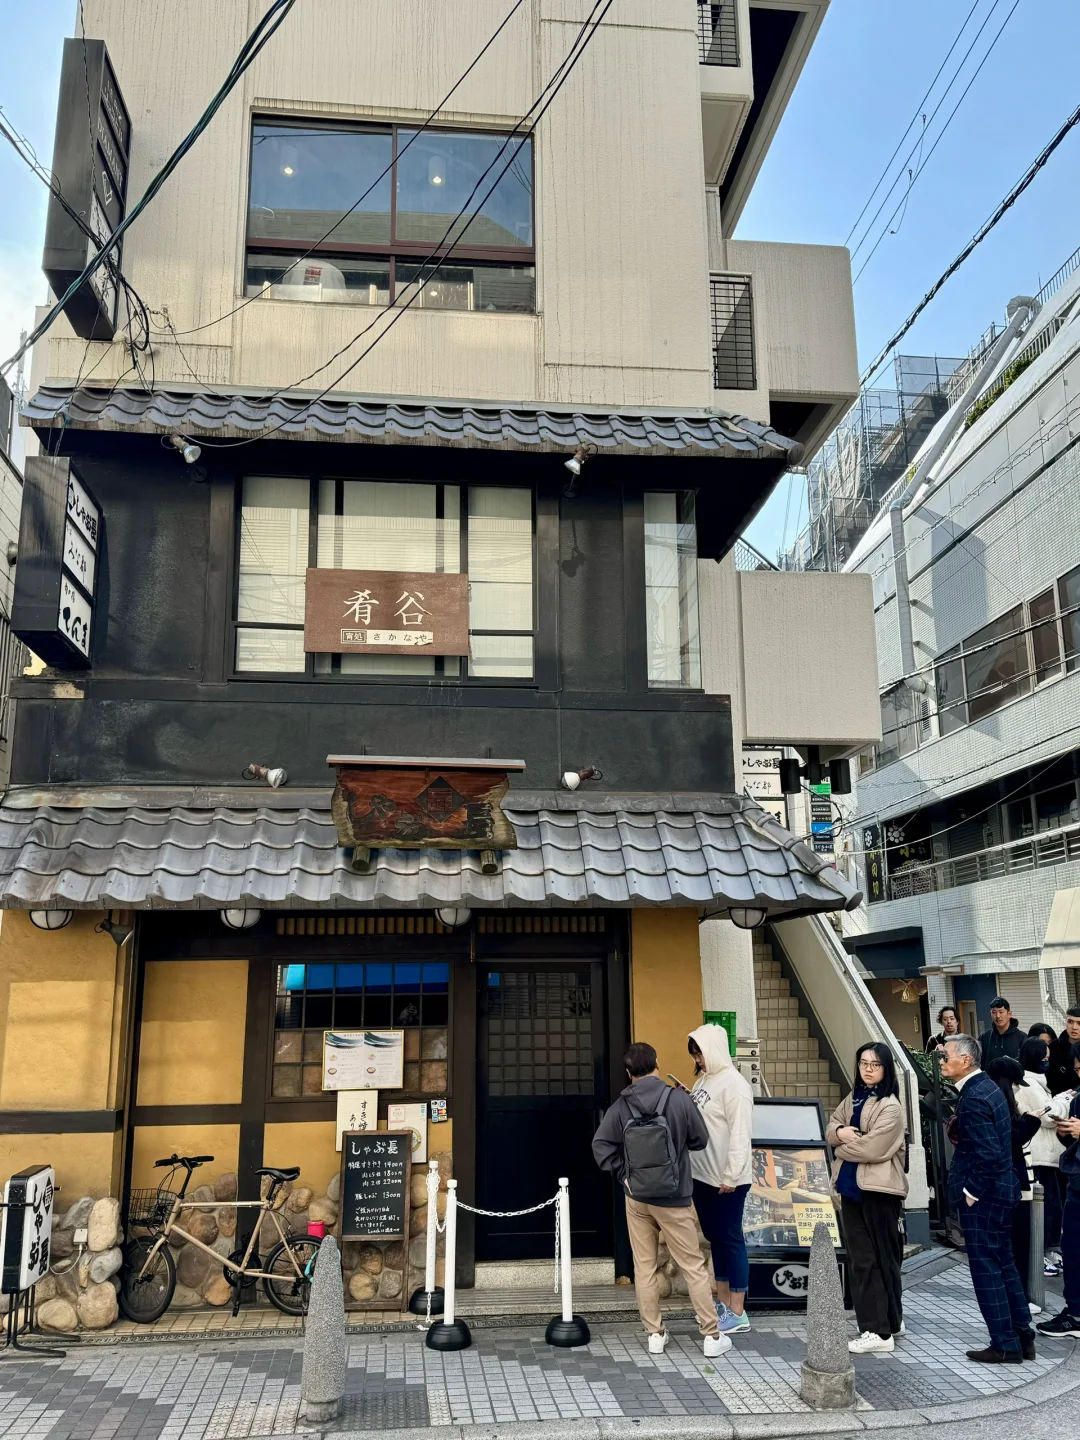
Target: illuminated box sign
[
  {"x": 59, "y": 557},
  {"x": 386, "y": 612},
  {"x": 90, "y": 160},
  {"x": 26, "y": 1228}
]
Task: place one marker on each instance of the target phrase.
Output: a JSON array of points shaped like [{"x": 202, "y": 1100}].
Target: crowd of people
[{"x": 682, "y": 1152}]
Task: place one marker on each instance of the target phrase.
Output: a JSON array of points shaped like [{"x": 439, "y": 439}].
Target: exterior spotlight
[
  {"x": 453, "y": 915},
  {"x": 240, "y": 919},
  {"x": 572, "y": 778},
  {"x": 747, "y": 917},
  {"x": 275, "y": 776},
  {"x": 119, "y": 934},
  {"x": 50, "y": 919},
  {"x": 189, "y": 451},
  {"x": 575, "y": 465}
]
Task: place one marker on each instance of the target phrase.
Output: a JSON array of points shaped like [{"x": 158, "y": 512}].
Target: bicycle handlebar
[{"x": 189, "y": 1162}]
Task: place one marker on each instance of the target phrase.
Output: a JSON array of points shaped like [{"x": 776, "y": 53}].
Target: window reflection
[{"x": 671, "y": 605}]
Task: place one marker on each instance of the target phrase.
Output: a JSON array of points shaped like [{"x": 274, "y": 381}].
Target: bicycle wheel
[
  {"x": 288, "y": 1290},
  {"x": 146, "y": 1300}
]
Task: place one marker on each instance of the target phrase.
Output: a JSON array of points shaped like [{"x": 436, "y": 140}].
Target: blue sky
[{"x": 871, "y": 64}]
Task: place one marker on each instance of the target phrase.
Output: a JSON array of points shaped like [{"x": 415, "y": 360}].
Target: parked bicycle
[{"x": 148, "y": 1278}]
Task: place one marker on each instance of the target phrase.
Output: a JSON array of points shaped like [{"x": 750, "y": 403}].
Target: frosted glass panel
[
  {"x": 500, "y": 559},
  {"x": 272, "y": 650},
  {"x": 671, "y": 608},
  {"x": 509, "y": 656},
  {"x": 388, "y": 525},
  {"x": 273, "y": 549}
]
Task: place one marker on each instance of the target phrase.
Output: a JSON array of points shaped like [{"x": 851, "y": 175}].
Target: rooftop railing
[
  {"x": 718, "y": 33},
  {"x": 1016, "y": 857}
]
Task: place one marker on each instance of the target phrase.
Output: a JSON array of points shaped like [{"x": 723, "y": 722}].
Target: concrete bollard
[
  {"x": 828, "y": 1376},
  {"x": 326, "y": 1357}
]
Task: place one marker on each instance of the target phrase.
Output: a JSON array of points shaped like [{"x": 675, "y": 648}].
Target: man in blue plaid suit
[{"x": 984, "y": 1190}]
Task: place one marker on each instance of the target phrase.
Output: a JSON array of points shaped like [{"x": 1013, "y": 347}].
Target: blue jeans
[{"x": 721, "y": 1221}]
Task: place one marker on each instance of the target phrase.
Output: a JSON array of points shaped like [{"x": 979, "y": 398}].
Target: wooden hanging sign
[
  {"x": 385, "y": 612},
  {"x": 383, "y": 802}
]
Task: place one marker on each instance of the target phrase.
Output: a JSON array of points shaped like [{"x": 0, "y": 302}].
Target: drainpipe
[{"x": 1020, "y": 310}]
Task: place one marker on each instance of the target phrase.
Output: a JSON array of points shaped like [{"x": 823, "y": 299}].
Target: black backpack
[{"x": 650, "y": 1160}]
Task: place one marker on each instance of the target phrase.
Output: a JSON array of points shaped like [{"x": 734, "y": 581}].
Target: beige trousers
[{"x": 647, "y": 1223}]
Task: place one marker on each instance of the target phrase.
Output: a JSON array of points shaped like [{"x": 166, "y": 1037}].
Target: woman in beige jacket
[{"x": 867, "y": 1135}]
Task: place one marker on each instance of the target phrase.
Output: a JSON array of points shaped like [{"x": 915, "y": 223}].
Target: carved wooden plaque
[
  {"x": 386, "y": 612},
  {"x": 415, "y": 807}
]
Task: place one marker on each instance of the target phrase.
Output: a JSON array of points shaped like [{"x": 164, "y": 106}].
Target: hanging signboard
[
  {"x": 821, "y": 818},
  {"x": 52, "y": 610},
  {"x": 386, "y": 612},
  {"x": 26, "y": 1228},
  {"x": 90, "y": 161},
  {"x": 363, "y": 1059},
  {"x": 375, "y": 1172},
  {"x": 761, "y": 779},
  {"x": 413, "y": 804}
]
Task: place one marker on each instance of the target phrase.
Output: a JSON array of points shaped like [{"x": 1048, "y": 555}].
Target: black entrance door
[{"x": 541, "y": 1088}]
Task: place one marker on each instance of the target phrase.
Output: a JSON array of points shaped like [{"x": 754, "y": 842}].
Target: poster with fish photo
[{"x": 363, "y": 1059}]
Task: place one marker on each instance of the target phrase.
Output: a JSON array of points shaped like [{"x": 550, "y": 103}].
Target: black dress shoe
[
  {"x": 1027, "y": 1343},
  {"x": 991, "y": 1356}
]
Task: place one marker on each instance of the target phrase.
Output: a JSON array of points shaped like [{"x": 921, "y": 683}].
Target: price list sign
[{"x": 376, "y": 1168}]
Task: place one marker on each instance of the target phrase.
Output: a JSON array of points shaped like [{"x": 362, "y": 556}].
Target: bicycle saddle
[{"x": 283, "y": 1175}]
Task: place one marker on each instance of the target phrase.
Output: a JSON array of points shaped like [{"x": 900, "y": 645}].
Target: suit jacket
[{"x": 983, "y": 1162}]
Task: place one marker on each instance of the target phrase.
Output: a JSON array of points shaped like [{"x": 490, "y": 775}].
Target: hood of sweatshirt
[{"x": 712, "y": 1041}]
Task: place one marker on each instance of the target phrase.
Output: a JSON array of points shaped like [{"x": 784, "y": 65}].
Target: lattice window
[
  {"x": 733, "y": 333},
  {"x": 718, "y": 34},
  {"x": 539, "y": 1033}
]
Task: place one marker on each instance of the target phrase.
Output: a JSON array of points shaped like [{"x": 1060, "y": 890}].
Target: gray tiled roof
[
  {"x": 384, "y": 421},
  {"x": 725, "y": 851}
]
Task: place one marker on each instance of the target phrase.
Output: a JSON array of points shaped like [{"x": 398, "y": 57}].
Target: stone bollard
[
  {"x": 326, "y": 1358},
  {"x": 828, "y": 1376}
]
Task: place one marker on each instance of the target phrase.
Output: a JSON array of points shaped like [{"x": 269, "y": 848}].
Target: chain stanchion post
[
  {"x": 429, "y": 1300},
  {"x": 566, "y": 1330},
  {"x": 1036, "y": 1279},
  {"x": 449, "y": 1333}
]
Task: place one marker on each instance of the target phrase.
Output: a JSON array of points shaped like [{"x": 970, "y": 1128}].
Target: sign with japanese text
[
  {"x": 363, "y": 1059},
  {"x": 761, "y": 779},
  {"x": 411, "y": 1117},
  {"x": 822, "y": 819},
  {"x": 809, "y": 1213},
  {"x": 356, "y": 1110},
  {"x": 376, "y": 1168},
  {"x": 60, "y": 548},
  {"x": 414, "y": 807},
  {"x": 386, "y": 612},
  {"x": 26, "y": 1228}
]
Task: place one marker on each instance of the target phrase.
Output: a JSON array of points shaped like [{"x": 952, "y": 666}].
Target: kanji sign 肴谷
[{"x": 386, "y": 612}]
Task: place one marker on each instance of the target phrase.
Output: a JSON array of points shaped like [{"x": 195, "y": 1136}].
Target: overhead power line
[
  {"x": 976, "y": 240},
  {"x": 252, "y": 46}
]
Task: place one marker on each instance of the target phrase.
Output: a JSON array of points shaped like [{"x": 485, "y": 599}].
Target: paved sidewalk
[{"x": 233, "y": 1390}]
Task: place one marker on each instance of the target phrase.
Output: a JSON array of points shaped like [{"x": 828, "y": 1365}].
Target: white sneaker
[
  {"x": 1035, "y": 1309},
  {"x": 870, "y": 1344},
  {"x": 716, "y": 1345},
  {"x": 657, "y": 1343}
]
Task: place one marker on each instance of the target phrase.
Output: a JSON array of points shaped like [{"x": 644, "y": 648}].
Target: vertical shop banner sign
[
  {"x": 26, "y": 1228},
  {"x": 356, "y": 1110},
  {"x": 821, "y": 818},
  {"x": 761, "y": 779}
]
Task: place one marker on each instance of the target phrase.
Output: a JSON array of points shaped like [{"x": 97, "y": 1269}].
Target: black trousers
[{"x": 875, "y": 1248}]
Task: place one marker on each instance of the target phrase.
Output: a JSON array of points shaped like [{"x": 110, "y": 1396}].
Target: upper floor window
[
  {"x": 671, "y": 603},
  {"x": 288, "y": 525},
  {"x": 351, "y": 213}
]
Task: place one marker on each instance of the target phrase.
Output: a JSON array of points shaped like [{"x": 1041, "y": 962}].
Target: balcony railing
[
  {"x": 718, "y": 32},
  {"x": 733, "y": 333},
  {"x": 1018, "y": 857}
]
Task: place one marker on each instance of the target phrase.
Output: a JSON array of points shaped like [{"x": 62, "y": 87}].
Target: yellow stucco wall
[
  {"x": 84, "y": 1164},
  {"x": 309, "y": 1144},
  {"x": 58, "y": 1015},
  {"x": 665, "y": 984},
  {"x": 191, "y": 1049},
  {"x": 154, "y": 1142}
]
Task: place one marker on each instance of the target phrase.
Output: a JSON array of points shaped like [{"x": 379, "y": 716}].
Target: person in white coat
[
  {"x": 1034, "y": 1098},
  {"x": 723, "y": 1170}
]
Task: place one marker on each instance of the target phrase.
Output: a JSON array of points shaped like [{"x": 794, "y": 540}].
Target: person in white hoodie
[
  {"x": 1034, "y": 1098},
  {"x": 723, "y": 1170}
]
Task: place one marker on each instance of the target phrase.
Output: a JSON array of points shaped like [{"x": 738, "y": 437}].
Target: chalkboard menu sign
[{"x": 376, "y": 1168}]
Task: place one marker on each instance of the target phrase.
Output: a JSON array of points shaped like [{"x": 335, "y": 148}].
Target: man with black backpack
[{"x": 645, "y": 1140}]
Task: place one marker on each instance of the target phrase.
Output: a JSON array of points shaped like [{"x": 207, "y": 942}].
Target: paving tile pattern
[{"x": 229, "y": 1390}]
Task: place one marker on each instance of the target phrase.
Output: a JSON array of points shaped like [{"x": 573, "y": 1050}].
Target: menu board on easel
[{"x": 376, "y": 1168}]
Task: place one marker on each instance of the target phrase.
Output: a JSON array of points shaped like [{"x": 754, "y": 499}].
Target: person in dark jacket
[
  {"x": 669, "y": 1218},
  {"x": 984, "y": 1191},
  {"x": 1007, "y": 1075},
  {"x": 1068, "y": 1321},
  {"x": 1060, "y": 1076},
  {"x": 1004, "y": 1036},
  {"x": 949, "y": 1020}
]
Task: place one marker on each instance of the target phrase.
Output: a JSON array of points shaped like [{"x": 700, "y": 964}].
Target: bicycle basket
[{"x": 150, "y": 1207}]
